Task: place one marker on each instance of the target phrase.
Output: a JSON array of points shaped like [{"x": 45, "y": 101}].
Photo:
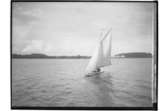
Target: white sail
[{"x": 102, "y": 55}]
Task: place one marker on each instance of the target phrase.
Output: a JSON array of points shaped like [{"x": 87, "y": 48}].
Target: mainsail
[{"x": 102, "y": 55}]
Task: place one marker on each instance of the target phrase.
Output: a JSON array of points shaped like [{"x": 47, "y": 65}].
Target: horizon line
[{"x": 75, "y": 54}]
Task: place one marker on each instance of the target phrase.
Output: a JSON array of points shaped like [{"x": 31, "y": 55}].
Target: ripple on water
[{"x": 62, "y": 83}]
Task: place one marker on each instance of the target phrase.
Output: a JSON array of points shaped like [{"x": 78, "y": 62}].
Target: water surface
[{"x": 62, "y": 82}]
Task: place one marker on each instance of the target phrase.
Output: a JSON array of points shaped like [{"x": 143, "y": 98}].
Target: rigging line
[{"x": 107, "y": 34}]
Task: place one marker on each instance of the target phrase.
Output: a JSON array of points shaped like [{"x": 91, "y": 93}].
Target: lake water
[{"x": 62, "y": 82}]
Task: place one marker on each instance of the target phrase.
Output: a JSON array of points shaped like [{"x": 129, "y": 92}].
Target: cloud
[
  {"x": 34, "y": 46},
  {"x": 37, "y": 46},
  {"x": 23, "y": 15}
]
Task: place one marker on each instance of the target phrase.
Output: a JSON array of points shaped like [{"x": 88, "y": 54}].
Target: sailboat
[{"x": 101, "y": 57}]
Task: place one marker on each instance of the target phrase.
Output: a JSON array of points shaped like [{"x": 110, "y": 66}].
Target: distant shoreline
[
  {"x": 43, "y": 56},
  {"x": 46, "y": 58},
  {"x": 86, "y": 58}
]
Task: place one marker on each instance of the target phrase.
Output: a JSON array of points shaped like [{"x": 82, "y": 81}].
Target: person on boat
[{"x": 98, "y": 69}]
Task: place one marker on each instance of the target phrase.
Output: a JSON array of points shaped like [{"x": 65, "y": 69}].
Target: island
[
  {"x": 44, "y": 56},
  {"x": 134, "y": 55}
]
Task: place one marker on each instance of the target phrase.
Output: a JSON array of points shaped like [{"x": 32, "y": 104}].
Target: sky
[{"x": 75, "y": 28}]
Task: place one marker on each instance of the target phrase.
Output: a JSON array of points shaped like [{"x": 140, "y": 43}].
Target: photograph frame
[{"x": 155, "y": 104}]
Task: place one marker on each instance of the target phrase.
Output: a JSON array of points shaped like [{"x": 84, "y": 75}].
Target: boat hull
[{"x": 94, "y": 74}]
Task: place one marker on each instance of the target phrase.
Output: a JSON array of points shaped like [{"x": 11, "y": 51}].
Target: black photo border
[{"x": 154, "y": 106}]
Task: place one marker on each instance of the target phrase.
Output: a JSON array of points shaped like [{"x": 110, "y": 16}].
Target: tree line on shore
[{"x": 121, "y": 55}]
